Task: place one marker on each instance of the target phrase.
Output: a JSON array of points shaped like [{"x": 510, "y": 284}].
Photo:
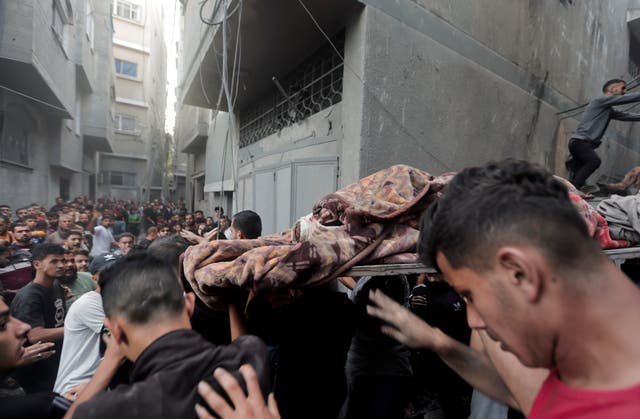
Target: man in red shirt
[{"x": 509, "y": 241}]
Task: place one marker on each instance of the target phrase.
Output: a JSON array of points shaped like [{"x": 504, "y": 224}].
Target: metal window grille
[{"x": 315, "y": 85}]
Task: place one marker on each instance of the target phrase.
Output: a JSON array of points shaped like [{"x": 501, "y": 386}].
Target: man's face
[
  {"x": 22, "y": 234},
  {"x": 21, "y": 213},
  {"x": 6, "y": 211},
  {"x": 13, "y": 335},
  {"x": 494, "y": 306},
  {"x": 83, "y": 218},
  {"x": 235, "y": 233},
  {"x": 224, "y": 224},
  {"x": 618, "y": 88},
  {"x": 31, "y": 223},
  {"x": 70, "y": 270},
  {"x": 188, "y": 220},
  {"x": 164, "y": 231},
  {"x": 65, "y": 223},
  {"x": 3, "y": 226},
  {"x": 53, "y": 221},
  {"x": 52, "y": 266},
  {"x": 125, "y": 244},
  {"x": 59, "y": 201},
  {"x": 74, "y": 241},
  {"x": 106, "y": 222},
  {"x": 82, "y": 263}
]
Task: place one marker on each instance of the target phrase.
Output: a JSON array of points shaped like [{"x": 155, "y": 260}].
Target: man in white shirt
[
  {"x": 103, "y": 237},
  {"x": 81, "y": 348}
]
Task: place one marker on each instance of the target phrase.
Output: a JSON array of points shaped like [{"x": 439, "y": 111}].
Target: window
[
  {"x": 122, "y": 179},
  {"x": 128, "y": 10},
  {"x": 14, "y": 137},
  {"x": 126, "y": 68},
  {"x": 126, "y": 123}
]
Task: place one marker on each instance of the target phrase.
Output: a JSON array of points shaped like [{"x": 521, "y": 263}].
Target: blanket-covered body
[{"x": 375, "y": 219}]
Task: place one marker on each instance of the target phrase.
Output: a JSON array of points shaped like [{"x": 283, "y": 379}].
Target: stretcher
[{"x": 618, "y": 256}]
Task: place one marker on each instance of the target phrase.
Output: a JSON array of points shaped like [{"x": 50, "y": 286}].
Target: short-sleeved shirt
[
  {"x": 82, "y": 284},
  {"x": 102, "y": 240},
  {"x": 80, "y": 349},
  {"x": 40, "y": 306},
  {"x": 557, "y": 400}
]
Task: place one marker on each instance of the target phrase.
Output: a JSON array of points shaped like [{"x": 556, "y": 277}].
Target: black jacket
[{"x": 163, "y": 379}]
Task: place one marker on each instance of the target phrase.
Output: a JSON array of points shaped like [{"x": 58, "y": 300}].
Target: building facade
[
  {"x": 134, "y": 168},
  {"x": 328, "y": 91},
  {"x": 56, "y": 97}
]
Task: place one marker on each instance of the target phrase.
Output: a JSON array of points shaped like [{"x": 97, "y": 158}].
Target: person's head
[
  {"x": 163, "y": 230},
  {"x": 5, "y": 210},
  {"x": 152, "y": 233},
  {"x": 48, "y": 261},
  {"x": 126, "y": 241},
  {"x": 107, "y": 221},
  {"x": 209, "y": 222},
  {"x": 52, "y": 219},
  {"x": 223, "y": 222},
  {"x": 65, "y": 222},
  {"x": 21, "y": 233},
  {"x": 13, "y": 336},
  {"x": 31, "y": 221},
  {"x": 142, "y": 293},
  {"x": 4, "y": 224},
  {"x": 189, "y": 220},
  {"x": 83, "y": 219},
  {"x": 70, "y": 269},
  {"x": 177, "y": 227},
  {"x": 218, "y": 211},
  {"x": 81, "y": 259},
  {"x": 507, "y": 237},
  {"x": 614, "y": 87},
  {"x": 73, "y": 240},
  {"x": 168, "y": 249},
  {"x": 199, "y": 215},
  {"x": 59, "y": 200},
  {"x": 21, "y": 212},
  {"x": 246, "y": 225}
]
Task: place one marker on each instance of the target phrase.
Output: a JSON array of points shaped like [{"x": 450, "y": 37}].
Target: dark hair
[
  {"x": 107, "y": 217},
  {"x": 5, "y": 219},
  {"x": 51, "y": 214},
  {"x": 29, "y": 217},
  {"x": 80, "y": 252},
  {"x": 610, "y": 82},
  {"x": 18, "y": 224},
  {"x": 249, "y": 223},
  {"x": 41, "y": 251},
  {"x": 168, "y": 248},
  {"x": 508, "y": 202},
  {"x": 141, "y": 289},
  {"x": 66, "y": 235},
  {"x": 125, "y": 234}
]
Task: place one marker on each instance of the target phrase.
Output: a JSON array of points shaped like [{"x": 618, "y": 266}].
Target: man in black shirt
[{"x": 41, "y": 305}]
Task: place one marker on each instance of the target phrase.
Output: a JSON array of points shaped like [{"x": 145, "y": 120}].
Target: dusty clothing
[
  {"x": 164, "y": 378},
  {"x": 369, "y": 220},
  {"x": 597, "y": 115},
  {"x": 623, "y": 216}
]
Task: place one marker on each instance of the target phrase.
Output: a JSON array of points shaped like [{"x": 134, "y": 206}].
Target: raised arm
[
  {"x": 473, "y": 366},
  {"x": 625, "y": 116},
  {"x": 616, "y": 100}
]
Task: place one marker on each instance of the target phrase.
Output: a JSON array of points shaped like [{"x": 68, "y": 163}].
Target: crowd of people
[{"x": 526, "y": 317}]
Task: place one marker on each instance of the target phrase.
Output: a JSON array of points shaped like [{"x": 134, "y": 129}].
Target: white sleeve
[{"x": 93, "y": 313}]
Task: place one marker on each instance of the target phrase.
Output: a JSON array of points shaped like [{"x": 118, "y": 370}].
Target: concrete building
[
  {"x": 437, "y": 84},
  {"x": 56, "y": 94},
  {"x": 133, "y": 169}
]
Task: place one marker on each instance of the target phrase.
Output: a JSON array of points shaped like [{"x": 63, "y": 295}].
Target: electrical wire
[
  {"x": 374, "y": 96},
  {"x": 42, "y": 102}
]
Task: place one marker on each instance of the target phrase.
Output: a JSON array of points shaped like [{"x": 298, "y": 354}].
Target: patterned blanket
[{"x": 372, "y": 219}]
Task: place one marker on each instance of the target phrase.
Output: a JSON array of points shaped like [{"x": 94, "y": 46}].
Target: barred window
[{"x": 315, "y": 85}]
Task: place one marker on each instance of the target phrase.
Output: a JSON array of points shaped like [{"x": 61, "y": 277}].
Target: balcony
[{"x": 275, "y": 36}]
